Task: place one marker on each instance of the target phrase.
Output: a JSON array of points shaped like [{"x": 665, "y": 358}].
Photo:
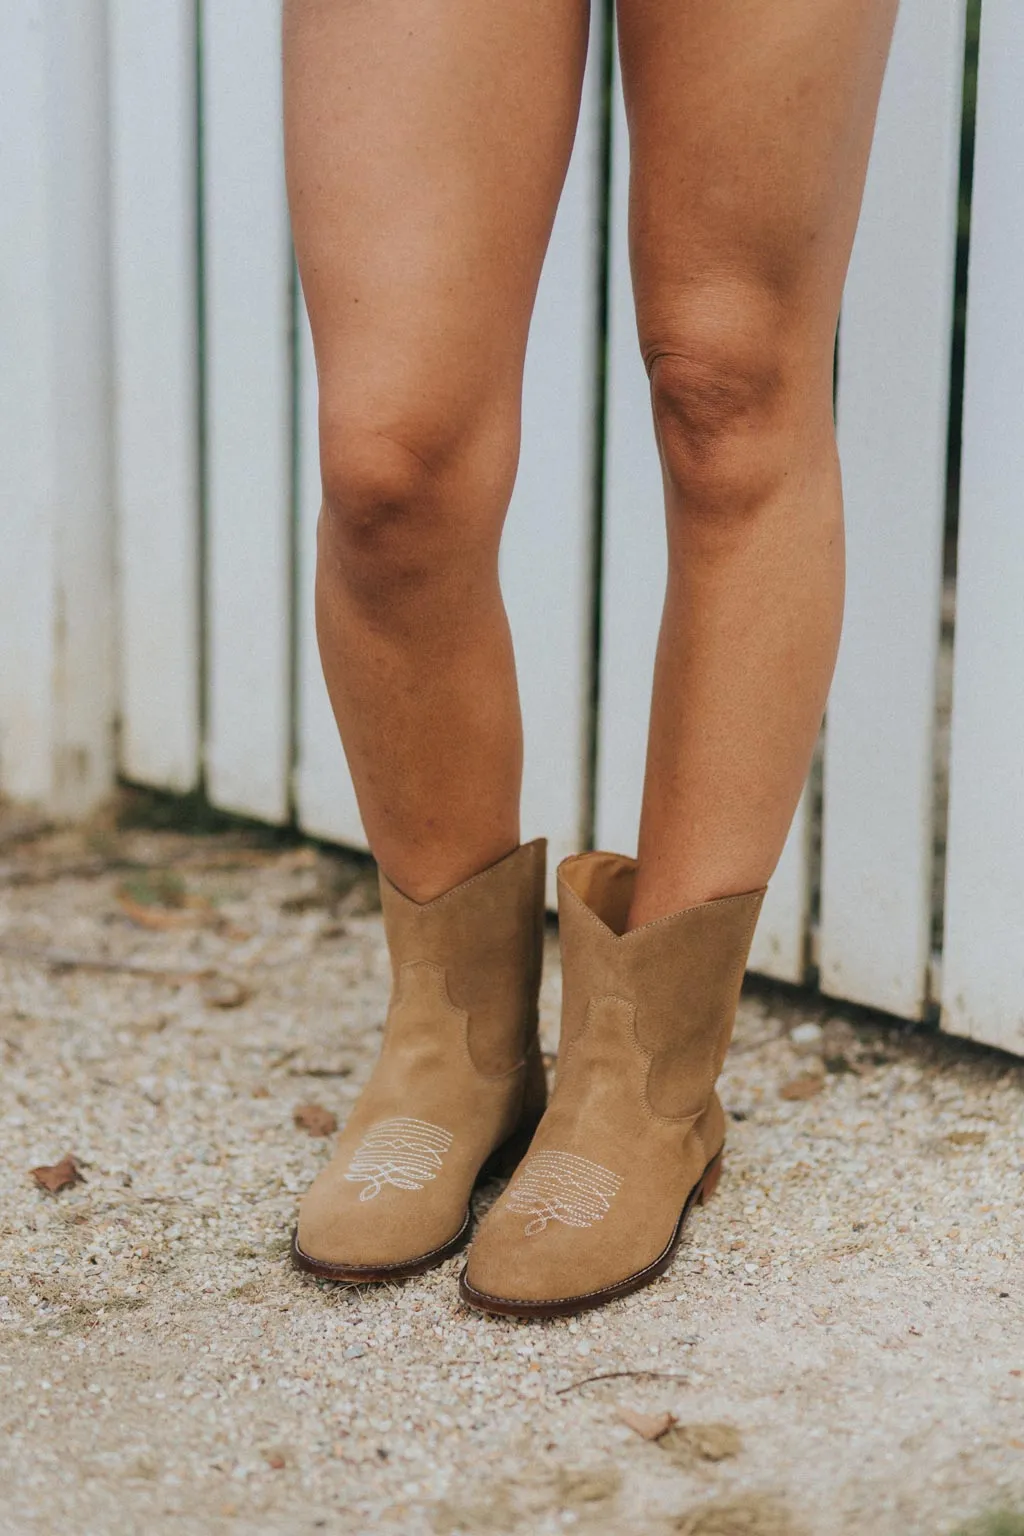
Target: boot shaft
[
  {"x": 680, "y": 976},
  {"x": 487, "y": 936}
]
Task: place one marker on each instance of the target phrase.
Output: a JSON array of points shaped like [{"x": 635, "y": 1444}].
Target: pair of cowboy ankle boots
[{"x": 605, "y": 1175}]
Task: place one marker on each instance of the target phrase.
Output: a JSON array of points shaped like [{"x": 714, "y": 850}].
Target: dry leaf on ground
[
  {"x": 158, "y": 899},
  {"x": 586, "y": 1485},
  {"x": 649, "y": 1426},
  {"x": 303, "y": 857},
  {"x": 752, "y": 1516},
  {"x": 325, "y": 1069},
  {"x": 803, "y": 1087},
  {"x": 224, "y": 992},
  {"x": 315, "y": 1119},
  {"x": 162, "y": 919},
  {"x": 155, "y": 888},
  {"x": 492, "y": 1512},
  {"x": 57, "y": 1176},
  {"x": 686, "y": 1444}
]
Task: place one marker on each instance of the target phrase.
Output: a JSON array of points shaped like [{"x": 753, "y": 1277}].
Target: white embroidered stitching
[
  {"x": 403, "y": 1153},
  {"x": 559, "y": 1186}
]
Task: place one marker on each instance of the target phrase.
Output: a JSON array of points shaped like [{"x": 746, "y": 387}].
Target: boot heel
[{"x": 709, "y": 1183}]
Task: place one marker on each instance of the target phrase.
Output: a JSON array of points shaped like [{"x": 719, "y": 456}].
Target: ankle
[
  {"x": 663, "y": 894},
  {"x": 423, "y": 875}
]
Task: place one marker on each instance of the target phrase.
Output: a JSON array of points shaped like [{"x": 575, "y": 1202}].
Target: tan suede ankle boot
[
  {"x": 634, "y": 1132},
  {"x": 459, "y": 1082}
]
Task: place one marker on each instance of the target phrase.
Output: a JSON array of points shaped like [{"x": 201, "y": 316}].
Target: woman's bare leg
[
  {"x": 427, "y": 142},
  {"x": 750, "y": 125}
]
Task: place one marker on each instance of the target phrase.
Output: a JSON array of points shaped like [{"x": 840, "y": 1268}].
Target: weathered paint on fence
[
  {"x": 893, "y": 405},
  {"x": 248, "y": 360},
  {"x": 983, "y": 958},
  {"x": 57, "y": 677},
  {"x": 154, "y": 262}
]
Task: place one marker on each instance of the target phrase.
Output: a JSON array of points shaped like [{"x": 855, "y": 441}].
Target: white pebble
[{"x": 807, "y": 1038}]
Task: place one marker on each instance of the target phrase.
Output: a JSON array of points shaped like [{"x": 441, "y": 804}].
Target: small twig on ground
[
  {"x": 221, "y": 860},
  {"x": 24, "y": 829},
  {"x": 285, "y": 1056},
  {"x": 618, "y": 1376},
  {"x": 76, "y": 869},
  {"x": 68, "y": 960},
  {"x": 301, "y": 1071}
]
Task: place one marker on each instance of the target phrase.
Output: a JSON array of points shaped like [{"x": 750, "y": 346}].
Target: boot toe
[
  {"x": 557, "y": 1266},
  {"x": 336, "y": 1230},
  {"x": 560, "y": 1255}
]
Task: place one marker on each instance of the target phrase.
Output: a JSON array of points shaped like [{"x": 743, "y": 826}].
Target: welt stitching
[{"x": 377, "y": 1268}]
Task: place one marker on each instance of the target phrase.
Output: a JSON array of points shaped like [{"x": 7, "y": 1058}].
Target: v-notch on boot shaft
[
  {"x": 459, "y": 1079},
  {"x": 634, "y": 1132}
]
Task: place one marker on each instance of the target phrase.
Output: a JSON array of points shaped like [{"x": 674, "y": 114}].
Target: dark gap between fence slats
[
  {"x": 954, "y": 443},
  {"x": 202, "y": 541},
  {"x": 602, "y": 277}
]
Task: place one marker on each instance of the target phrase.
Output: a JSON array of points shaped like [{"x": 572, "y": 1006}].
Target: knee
[
  {"x": 380, "y": 506},
  {"x": 403, "y": 501},
  {"x": 727, "y": 391}
]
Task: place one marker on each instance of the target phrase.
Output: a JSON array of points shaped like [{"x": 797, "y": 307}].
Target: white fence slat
[
  {"x": 154, "y": 254},
  {"x": 893, "y": 406},
  {"x": 325, "y": 800},
  {"x": 248, "y": 281},
  {"x": 56, "y": 554},
  {"x": 547, "y": 551},
  {"x": 633, "y": 584},
  {"x": 780, "y": 942},
  {"x": 26, "y": 409},
  {"x": 84, "y": 679},
  {"x": 633, "y": 557},
  {"x": 983, "y": 959}
]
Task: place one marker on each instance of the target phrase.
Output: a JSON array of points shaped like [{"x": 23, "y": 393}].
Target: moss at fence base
[{"x": 997, "y": 1522}]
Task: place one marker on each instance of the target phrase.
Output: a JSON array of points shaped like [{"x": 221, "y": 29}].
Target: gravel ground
[{"x": 850, "y": 1305}]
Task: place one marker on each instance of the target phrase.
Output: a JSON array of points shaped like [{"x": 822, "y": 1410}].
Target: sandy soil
[{"x": 850, "y": 1305}]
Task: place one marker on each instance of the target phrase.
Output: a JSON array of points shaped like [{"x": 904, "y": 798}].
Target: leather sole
[
  {"x": 358, "y": 1274},
  {"x": 566, "y": 1306},
  {"x": 501, "y": 1164}
]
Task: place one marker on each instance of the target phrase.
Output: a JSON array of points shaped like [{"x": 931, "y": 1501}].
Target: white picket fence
[{"x": 160, "y": 487}]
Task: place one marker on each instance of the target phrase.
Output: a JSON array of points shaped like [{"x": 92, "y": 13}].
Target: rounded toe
[
  {"x": 337, "y": 1232},
  {"x": 493, "y": 1274},
  {"x": 550, "y": 1269}
]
